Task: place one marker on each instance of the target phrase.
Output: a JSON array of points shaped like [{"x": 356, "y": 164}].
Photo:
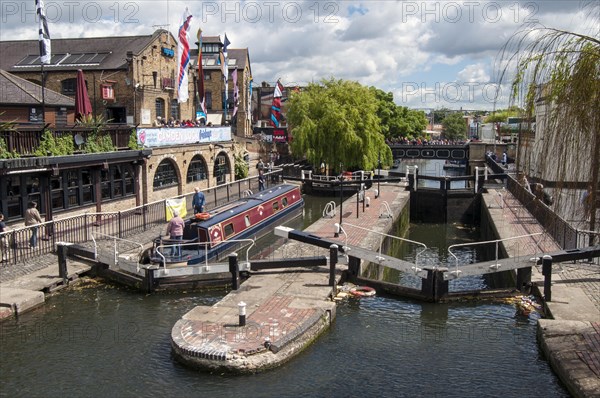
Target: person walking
[
  {"x": 198, "y": 201},
  {"x": 175, "y": 232},
  {"x": 32, "y": 217},
  {"x": 3, "y": 239}
]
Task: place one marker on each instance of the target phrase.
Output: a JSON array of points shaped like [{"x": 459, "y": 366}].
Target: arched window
[
  {"x": 221, "y": 168},
  {"x": 159, "y": 104},
  {"x": 166, "y": 175},
  {"x": 175, "y": 109},
  {"x": 197, "y": 170}
]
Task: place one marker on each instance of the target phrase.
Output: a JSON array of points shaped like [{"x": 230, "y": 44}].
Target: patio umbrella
[{"x": 83, "y": 106}]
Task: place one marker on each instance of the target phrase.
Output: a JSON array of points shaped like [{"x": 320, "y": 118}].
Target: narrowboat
[
  {"x": 351, "y": 182},
  {"x": 211, "y": 236}
]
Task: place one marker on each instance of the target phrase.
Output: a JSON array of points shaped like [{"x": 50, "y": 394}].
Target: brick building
[{"x": 132, "y": 79}]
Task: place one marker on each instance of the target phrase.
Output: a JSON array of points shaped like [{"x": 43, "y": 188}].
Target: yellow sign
[{"x": 172, "y": 205}]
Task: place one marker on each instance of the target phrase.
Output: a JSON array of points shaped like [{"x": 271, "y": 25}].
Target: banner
[
  {"x": 178, "y": 205},
  {"x": 165, "y": 136}
]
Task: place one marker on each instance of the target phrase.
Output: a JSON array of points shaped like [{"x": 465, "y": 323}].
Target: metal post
[
  {"x": 62, "y": 249},
  {"x": 341, "y": 192},
  {"x": 379, "y": 171},
  {"x": 242, "y": 313},
  {"x": 333, "y": 258},
  {"x": 476, "y": 178},
  {"x": 149, "y": 280},
  {"x": 234, "y": 268},
  {"x": 547, "y": 272}
]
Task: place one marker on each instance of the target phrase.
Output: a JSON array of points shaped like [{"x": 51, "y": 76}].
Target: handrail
[
  {"x": 115, "y": 238},
  {"x": 246, "y": 193},
  {"x": 329, "y": 210},
  {"x": 496, "y": 241},
  {"x": 387, "y": 209},
  {"x": 416, "y": 267},
  {"x": 161, "y": 246}
]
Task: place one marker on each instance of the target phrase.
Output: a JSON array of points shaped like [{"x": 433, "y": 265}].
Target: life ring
[
  {"x": 202, "y": 216},
  {"x": 362, "y": 291}
]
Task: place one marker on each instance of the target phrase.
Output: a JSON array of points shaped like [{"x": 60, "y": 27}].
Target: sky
[{"x": 430, "y": 54}]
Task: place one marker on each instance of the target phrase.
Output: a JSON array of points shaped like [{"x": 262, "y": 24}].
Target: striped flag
[
  {"x": 225, "y": 71},
  {"x": 236, "y": 91},
  {"x": 183, "y": 57},
  {"x": 276, "y": 106},
  {"x": 44, "y": 38},
  {"x": 201, "y": 94}
]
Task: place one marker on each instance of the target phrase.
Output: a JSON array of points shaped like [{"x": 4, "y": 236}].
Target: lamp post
[
  {"x": 341, "y": 177},
  {"x": 378, "y": 173}
]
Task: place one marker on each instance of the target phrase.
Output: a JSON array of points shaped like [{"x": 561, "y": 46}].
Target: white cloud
[{"x": 380, "y": 43}]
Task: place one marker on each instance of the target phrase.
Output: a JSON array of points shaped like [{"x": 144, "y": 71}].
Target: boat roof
[{"x": 224, "y": 212}]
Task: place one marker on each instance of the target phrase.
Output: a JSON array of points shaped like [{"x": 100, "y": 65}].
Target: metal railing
[
  {"x": 496, "y": 243},
  {"x": 197, "y": 246}
]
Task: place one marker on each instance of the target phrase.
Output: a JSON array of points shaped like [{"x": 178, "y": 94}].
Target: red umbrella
[{"x": 82, "y": 100}]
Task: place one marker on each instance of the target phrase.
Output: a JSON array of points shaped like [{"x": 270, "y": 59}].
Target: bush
[{"x": 55, "y": 146}]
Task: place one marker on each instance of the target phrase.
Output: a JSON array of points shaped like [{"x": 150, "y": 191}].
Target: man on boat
[
  {"x": 175, "y": 232},
  {"x": 198, "y": 201}
]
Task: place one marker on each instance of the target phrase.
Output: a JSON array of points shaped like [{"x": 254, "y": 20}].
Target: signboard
[
  {"x": 145, "y": 116},
  {"x": 165, "y": 136}
]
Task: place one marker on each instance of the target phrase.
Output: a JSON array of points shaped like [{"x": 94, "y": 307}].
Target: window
[
  {"x": 284, "y": 202},
  {"x": 228, "y": 230},
  {"x": 117, "y": 181},
  {"x": 57, "y": 193},
  {"x": 69, "y": 86},
  {"x": 206, "y": 75},
  {"x": 247, "y": 220},
  {"x": 208, "y": 99},
  {"x": 108, "y": 92},
  {"x": 275, "y": 206},
  {"x": 166, "y": 175},
  {"x": 174, "y": 109},
  {"x": 159, "y": 105},
  {"x": 197, "y": 170}
]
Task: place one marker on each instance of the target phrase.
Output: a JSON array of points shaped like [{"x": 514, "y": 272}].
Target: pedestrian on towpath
[
  {"x": 32, "y": 217},
  {"x": 3, "y": 239},
  {"x": 261, "y": 181}
]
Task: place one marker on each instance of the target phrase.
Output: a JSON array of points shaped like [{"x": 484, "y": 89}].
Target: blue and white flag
[{"x": 44, "y": 38}]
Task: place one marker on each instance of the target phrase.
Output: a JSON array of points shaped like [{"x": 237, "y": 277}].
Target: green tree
[
  {"x": 558, "y": 75},
  {"x": 336, "y": 122},
  {"x": 55, "y": 146},
  {"x": 397, "y": 121},
  {"x": 454, "y": 126}
]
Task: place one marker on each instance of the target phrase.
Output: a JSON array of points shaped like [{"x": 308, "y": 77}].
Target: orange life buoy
[
  {"x": 202, "y": 216},
  {"x": 362, "y": 291}
]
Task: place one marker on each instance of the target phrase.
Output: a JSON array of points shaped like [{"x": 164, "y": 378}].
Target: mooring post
[
  {"x": 62, "y": 249},
  {"x": 149, "y": 280},
  {"x": 242, "y": 313},
  {"x": 333, "y": 258},
  {"x": 523, "y": 279},
  {"x": 547, "y": 272},
  {"x": 234, "y": 268}
]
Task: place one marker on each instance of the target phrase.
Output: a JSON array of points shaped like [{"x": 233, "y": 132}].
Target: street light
[{"x": 378, "y": 173}]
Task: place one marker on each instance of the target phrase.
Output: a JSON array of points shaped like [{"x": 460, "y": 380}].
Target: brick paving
[{"x": 572, "y": 334}]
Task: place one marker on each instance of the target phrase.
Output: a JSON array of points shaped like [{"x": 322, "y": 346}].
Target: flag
[
  {"x": 276, "y": 106},
  {"x": 201, "y": 99},
  {"x": 44, "y": 38},
  {"x": 249, "y": 98},
  {"x": 183, "y": 57},
  {"x": 175, "y": 205},
  {"x": 236, "y": 91},
  {"x": 225, "y": 70}
]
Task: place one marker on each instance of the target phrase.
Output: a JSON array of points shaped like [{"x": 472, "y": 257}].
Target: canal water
[{"x": 98, "y": 340}]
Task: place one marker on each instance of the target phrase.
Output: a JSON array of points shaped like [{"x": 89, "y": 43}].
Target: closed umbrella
[{"x": 83, "y": 106}]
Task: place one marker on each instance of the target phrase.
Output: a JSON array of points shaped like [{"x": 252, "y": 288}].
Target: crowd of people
[
  {"x": 163, "y": 122},
  {"x": 422, "y": 141}
]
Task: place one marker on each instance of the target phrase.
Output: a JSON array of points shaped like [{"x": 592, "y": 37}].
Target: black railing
[{"x": 25, "y": 140}]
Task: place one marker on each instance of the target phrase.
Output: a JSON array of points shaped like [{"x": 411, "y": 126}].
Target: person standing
[
  {"x": 504, "y": 159},
  {"x": 260, "y": 166},
  {"x": 32, "y": 217},
  {"x": 175, "y": 232},
  {"x": 3, "y": 239},
  {"x": 261, "y": 181},
  {"x": 198, "y": 201}
]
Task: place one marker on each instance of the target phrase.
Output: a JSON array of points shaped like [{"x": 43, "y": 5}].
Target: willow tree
[
  {"x": 558, "y": 80},
  {"x": 335, "y": 122}
]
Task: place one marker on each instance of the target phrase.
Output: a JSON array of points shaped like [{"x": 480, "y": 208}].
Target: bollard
[
  {"x": 62, "y": 250},
  {"x": 149, "y": 280},
  {"x": 368, "y": 201},
  {"x": 242, "y": 313},
  {"x": 336, "y": 232},
  {"x": 234, "y": 268},
  {"x": 333, "y": 258},
  {"x": 547, "y": 272},
  {"x": 376, "y": 193}
]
